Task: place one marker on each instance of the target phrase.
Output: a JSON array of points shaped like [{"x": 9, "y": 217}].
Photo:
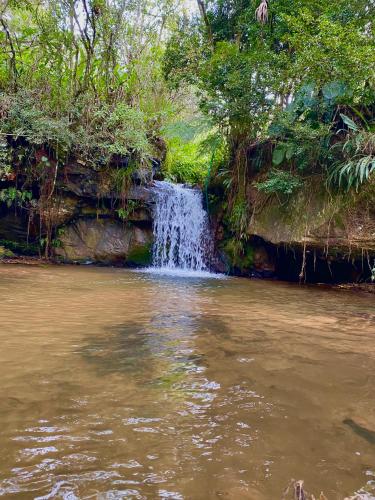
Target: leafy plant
[
  {"x": 357, "y": 163},
  {"x": 353, "y": 173},
  {"x": 280, "y": 182},
  {"x": 239, "y": 218},
  {"x": 12, "y": 196},
  {"x": 20, "y": 247},
  {"x": 121, "y": 179},
  {"x": 5, "y": 161},
  {"x": 125, "y": 212}
]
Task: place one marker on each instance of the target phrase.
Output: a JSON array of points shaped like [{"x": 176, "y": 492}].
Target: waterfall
[{"x": 182, "y": 239}]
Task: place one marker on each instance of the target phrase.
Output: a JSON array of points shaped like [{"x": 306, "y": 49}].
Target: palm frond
[{"x": 261, "y": 12}]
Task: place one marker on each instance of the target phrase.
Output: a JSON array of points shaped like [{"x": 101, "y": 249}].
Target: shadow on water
[
  {"x": 121, "y": 348},
  {"x": 161, "y": 352},
  {"x": 142, "y": 350},
  {"x": 360, "y": 430}
]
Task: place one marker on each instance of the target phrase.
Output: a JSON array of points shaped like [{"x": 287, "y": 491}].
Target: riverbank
[
  {"x": 39, "y": 261},
  {"x": 27, "y": 261},
  {"x": 361, "y": 287}
]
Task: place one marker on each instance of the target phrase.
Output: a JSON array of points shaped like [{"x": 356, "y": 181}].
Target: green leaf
[
  {"x": 333, "y": 90},
  {"x": 289, "y": 153},
  {"x": 278, "y": 155},
  {"x": 349, "y": 122}
]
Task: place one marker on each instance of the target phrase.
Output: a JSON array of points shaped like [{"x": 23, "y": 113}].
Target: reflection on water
[{"x": 121, "y": 384}]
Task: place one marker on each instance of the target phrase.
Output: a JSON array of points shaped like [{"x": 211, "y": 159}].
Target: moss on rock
[
  {"x": 239, "y": 255},
  {"x": 5, "y": 252},
  {"x": 140, "y": 255}
]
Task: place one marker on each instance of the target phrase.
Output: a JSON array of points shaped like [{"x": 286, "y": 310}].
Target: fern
[{"x": 359, "y": 160}]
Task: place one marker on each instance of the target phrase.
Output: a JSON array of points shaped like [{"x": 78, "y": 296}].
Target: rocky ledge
[
  {"x": 89, "y": 219},
  {"x": 313, "y": 236}
]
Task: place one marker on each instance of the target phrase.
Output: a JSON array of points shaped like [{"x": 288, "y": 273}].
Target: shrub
[
  {"x": 357, "y": 163},
  {"x": 280, "y": 182}
]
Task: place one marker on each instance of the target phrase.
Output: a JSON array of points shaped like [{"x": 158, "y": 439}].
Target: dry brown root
[{"x": 299, "y": 492}]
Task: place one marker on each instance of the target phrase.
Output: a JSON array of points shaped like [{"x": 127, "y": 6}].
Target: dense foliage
[
  {"x": 263, "y": 94},
  {"x": 83, "y": 78},
  {"x": 282, "y": 71},
  {"x": 291, "y": 86}
]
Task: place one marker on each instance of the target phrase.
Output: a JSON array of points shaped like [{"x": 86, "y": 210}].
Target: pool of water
[{"x": 119, "y": 384}]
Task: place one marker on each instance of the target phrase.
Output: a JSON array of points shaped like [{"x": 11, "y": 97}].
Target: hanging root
[{"x": 302, "y": 274}]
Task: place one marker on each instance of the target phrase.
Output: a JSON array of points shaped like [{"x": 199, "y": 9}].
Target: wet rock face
[
  {"x": 105, "y": 241},
  {"x": 90, "y": 217},
  {"x": 13, "y": 227},
  {"x": 263, "y": 263},
  {"x": 85, "y": 182},
  {"x": 318, "y": 219}
]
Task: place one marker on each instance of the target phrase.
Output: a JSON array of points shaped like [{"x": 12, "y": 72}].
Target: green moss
[
  {"x": 240, "y": 254},
  {"x": 4, "y": 252},
  {"x": 140, "y": 256},
  {"x": 20, "y": 248}
]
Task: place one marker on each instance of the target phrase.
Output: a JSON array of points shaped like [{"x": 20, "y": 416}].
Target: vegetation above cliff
[
  {"x": 280, "y": 71},
  {"x": 291, "y": 87},
  {"x": 83, "y": 78},
  {"x": 260, "y": 96}
]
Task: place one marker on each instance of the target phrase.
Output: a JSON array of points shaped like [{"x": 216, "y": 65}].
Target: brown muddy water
[{"x": 119, "y": 384}]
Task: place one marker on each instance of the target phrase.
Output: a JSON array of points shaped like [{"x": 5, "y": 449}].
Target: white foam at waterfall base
[
  {"x": 183, "y": 273},
  {"x": 182, "y": 238}
]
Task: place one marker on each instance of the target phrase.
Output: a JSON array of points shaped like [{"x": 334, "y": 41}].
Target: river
[{"x": 118, "y": 384}]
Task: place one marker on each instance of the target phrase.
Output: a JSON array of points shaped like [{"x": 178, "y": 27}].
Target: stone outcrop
[
  {"x": 314, "y": 235},
  {"x": 88, "y": 218},
  {"x": 87, "y": 212},
  {"x": 104, "y": 241},
  {"x": 84, "y": 182},
  {"x": 318, "y": 219}
]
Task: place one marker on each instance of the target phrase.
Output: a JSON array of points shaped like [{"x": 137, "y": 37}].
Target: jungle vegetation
[
  {"x": 298, "y": 75},
  {"x": 261, "y": 93},
  {"x": 290, "y": 85},
  {"x": 83, "y": 78}
]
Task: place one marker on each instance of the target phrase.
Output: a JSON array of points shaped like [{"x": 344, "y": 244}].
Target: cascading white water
[{"x": 182, "y": 239}]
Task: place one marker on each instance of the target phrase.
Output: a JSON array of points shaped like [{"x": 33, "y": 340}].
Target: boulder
[
  {"x": 104, "y": 241},
  {"x": 318, "y": 219},
  {"x": 85, "y": 182}
]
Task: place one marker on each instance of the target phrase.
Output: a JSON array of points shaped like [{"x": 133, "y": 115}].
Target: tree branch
[
  {"x": 203, "y": 12},
  {"x": 13, "y": 63}
]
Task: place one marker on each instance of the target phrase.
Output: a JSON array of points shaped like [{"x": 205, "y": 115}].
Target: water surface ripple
[{"x": 117, "y": 384}]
